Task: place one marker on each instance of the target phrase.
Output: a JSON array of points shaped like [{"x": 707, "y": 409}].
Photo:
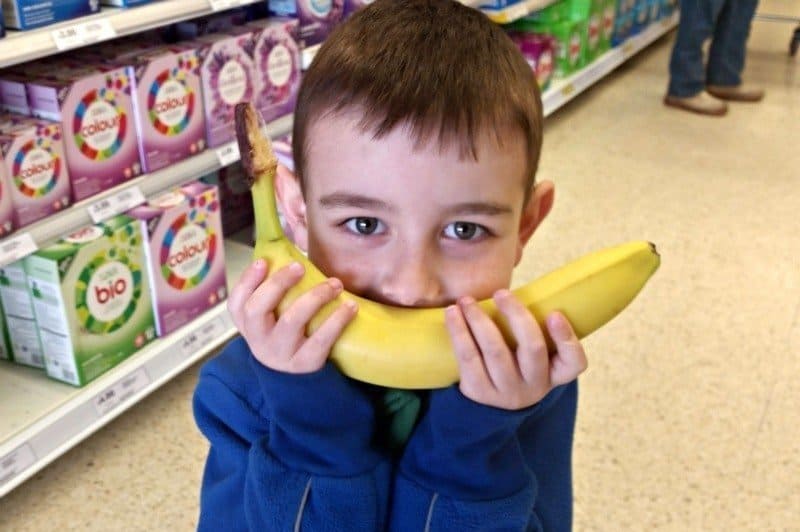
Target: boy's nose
[{"x": 412, "y": 282}]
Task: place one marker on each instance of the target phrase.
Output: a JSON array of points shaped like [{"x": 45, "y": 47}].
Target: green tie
[{"x": 397, "y": 415}]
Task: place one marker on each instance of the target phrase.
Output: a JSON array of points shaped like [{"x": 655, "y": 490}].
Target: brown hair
[{"x": 438, "y": 66}]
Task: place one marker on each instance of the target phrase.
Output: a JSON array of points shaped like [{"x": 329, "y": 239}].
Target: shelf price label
[
  {"x": 203, "y": 335},
  {"x": 568, "y": 90},
  {"x": 114, "y": 204},
  {"x": 627, "y": 49},
  {"x": 83, "y": 33},
  {"x": 120, "y": 391},
  {"x": 16, "y": 462},
  {"x": 14, "y": 248},
  {"x": 228, "y": 154}
]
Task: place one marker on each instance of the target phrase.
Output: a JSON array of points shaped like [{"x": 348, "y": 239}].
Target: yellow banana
[{"x": 411, "y": 348}]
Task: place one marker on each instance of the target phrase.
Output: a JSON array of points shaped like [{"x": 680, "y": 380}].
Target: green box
[
  {"x": 23, "y": 331},
  {"x": 5, "y": 346},
  {"x": 92, "y": 300}
]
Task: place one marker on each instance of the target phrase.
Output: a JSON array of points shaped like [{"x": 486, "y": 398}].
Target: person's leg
[
  {"x": 686, "y": 70},
  {"x": 727, "y": 54}
]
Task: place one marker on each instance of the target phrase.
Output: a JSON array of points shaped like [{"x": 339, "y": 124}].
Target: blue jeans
[{"x": 727, "y": 23}]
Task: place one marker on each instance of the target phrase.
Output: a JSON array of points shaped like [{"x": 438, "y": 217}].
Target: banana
[{"x": 410, "y": 348}]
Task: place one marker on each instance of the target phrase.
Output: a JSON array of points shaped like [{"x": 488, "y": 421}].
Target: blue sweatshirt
[{"x": 302, "y": 452}]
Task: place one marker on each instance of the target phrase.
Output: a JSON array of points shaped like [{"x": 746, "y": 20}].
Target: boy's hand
[
  {"x": 493, "y": 374},
  {"x": 281, "y": 343}
]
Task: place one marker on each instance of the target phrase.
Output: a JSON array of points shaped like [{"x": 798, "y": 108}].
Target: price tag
[
  {"x": 568, "y": 90},
  {"x": 228, "y": 154},
  {"x": 16, "y": 462},
  {"x": 121, "y": 201},
  {"x": 14, "y": 248},
  {"x": 120, "y": 391},
  {"x": 83, "y": 33},
  {"x": 627, "y": 49},
  {"x": 219, "y": 5},
  {"x": 201, "y": 336}
]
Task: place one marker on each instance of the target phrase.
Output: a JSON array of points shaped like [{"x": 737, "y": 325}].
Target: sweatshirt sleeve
[
  {"x": 287, "y": 452},
  {"x": 469, "y": 467}
]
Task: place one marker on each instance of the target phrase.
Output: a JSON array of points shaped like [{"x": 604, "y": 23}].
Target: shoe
[
  {"x": 736, "y": 93},
  {"x": 701, "y": 103}
]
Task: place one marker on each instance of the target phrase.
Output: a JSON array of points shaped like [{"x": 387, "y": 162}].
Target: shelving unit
[
  {"x": 562, "y": 91},
  {"x": 507, "y": 14},
  {"x": 80, "y": 214},
  {"x": 109, "y": 23},
  {"x": 41, "y": 419},
  {"x": 56, "y": 416}
]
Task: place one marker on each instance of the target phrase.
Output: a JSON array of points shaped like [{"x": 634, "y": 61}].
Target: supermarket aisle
[{"x": 689, "y": 411}]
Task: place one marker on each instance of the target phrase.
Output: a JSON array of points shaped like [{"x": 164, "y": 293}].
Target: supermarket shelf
[
  {"x": 565, "y": 90},
  {"x": 507, "y": 14},
  {"x": 21, "y": 46},
  {"x": 307, "y": 55},
  {"x": 41, "y": 419},
  {"x": 78, "y": 215}
]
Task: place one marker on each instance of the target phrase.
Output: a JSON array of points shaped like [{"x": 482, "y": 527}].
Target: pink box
[
  {"x": 169, "y": 106},
  {"x": 182, "y": 230},
  {"x": 276, "y": 57},
  {"x": 36, "y": 170},
  {"x": 227, "y": 74},
  {"x": 95, "y": 108}
]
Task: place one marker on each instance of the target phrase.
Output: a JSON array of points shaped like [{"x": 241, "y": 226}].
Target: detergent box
[
  {"x": 316, "y": 18},
  {"x": 94, "y": 106},
  {"x": 169, "y": 105},
  {"x": 5, "y": 347},
  {"x": 36, "y": 170},
  {"x": 276, "y": 59},
  {"x": 17, "y": 305},
  {"x": 228, "y": 77},
  {"x": 91, "y": 297},
  {"x": 182, "y": 230},
  {"x": 29, "y": 14},
  {"x": 235, "y": 197}
]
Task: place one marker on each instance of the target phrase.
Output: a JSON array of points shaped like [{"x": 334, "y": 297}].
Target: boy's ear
[
  {"x": 538, "y": 207},
  {"x": 292, "y": 205}
]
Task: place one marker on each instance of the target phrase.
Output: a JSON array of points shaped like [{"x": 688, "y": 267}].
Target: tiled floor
[{"x": 690, "y": 411}]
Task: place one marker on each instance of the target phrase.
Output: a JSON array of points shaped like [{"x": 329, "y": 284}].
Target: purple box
[
  {"x": 538, "y": 50},
  {"x": 95, "y": 108},
  {"x": 36, "y": 170},
  {"x": 228, "y": 78},
  {"x": 276, "y": 58},
  {"x": 182, "y": 230},
  {"x": 235, "y": 197},
  {"x": 168, "y": 106},
  {"x": 351, "y": 6},
  {"x": 317, "y": 18}
]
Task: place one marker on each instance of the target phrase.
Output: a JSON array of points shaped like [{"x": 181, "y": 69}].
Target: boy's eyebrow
[
  {"x": 479, "y": 207},
  {"x": 347, "y": 199}
]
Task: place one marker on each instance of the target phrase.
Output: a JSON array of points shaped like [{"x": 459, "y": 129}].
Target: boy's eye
[
  {"x": 364, "y": 225},
  {"x": 464, "y": 231}
]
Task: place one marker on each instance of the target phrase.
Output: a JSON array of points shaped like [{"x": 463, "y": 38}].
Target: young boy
[{"x": 416, "y": 140}]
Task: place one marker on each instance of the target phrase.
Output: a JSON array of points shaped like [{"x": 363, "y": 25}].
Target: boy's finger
[
  {"x": 500, "y": 364},
  {"x": 315, "y": 350},
  {"x": 532, "y": 357},
  {"x": 470, "y": 364},
  {"x": 252, "y": 276},
  {"x": 570, "y": 358},
  {"x": 265, "y": 299},
  {"x": 291, "y": 326}
]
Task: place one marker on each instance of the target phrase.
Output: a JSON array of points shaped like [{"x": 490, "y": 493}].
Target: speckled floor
[{"x": 690, "y": 411}]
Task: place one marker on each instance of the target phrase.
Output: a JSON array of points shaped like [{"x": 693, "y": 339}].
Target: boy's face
[{"x": 411, "y": 227}]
